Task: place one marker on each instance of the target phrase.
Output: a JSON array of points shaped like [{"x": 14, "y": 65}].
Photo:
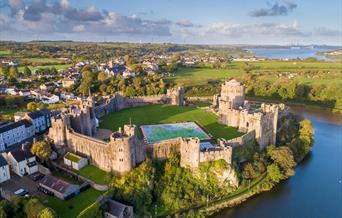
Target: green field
[
  {"x": 189, "y": 77},
  {"x": 159, "y": 114},
  {"x": 5, "y": 52},
  {"x": 72, "y": 207},
  {"x": 95, "y": 174},
  {"x": 43, "y": 60},
  {"x": 57, "y": 66},
  {"x": 201, "y": 76}
]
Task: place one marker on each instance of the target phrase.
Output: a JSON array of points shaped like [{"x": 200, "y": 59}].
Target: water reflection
[{"x": 315, "y": 190}]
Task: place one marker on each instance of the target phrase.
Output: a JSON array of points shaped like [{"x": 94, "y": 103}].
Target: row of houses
[
  {"x": 21, "y": 162},
  {"x": 24, "y": 128}
]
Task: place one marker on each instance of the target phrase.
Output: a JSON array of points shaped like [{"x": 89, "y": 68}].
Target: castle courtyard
[{"x": 169, "y": 114}]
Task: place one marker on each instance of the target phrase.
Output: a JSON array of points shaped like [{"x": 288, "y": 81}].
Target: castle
[
  {"x": 234, "y": 110},
  {"x": 74, "y": 130}
]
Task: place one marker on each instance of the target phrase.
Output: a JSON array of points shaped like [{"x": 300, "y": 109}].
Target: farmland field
[{"x": 57, "y": 66}]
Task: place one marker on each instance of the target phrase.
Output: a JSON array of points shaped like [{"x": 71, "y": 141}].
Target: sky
[{"x": 263, "y": 22}]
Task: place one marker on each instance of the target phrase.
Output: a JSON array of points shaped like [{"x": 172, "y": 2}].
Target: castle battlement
[{"x": 235, "y": 111}]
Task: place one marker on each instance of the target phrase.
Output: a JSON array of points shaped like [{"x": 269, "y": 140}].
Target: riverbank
[{"x": 296, "y": 103}]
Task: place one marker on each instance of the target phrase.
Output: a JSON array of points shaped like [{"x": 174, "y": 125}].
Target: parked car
[
  {"x": 22, "y": 192},
  {"x": 37, "y": 176}
]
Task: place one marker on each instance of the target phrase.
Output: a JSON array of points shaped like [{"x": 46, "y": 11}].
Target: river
[
  {"x": 316, "y": 188},
  {"x": 288, "y": 53}
]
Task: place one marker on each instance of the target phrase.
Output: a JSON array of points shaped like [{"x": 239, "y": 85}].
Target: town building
[
  {"x": 59, "y": 188},
  {"x": 12, "y": 134},
  {"x": 75, "y": 161},
  {"x": 115, "y": 209},
  {"x": 22, "y": 162},
  {"x": 41, "y": 119},
  {"x": 4, "y": 170}
]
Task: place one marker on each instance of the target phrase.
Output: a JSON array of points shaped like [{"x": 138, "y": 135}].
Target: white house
[
  {"x": 15, "y": 133},
  {"x": 75, "y": 161},
  {"x": 4, "y": 170},
  {"x": 49, "y": 99},
  {"x": 25, "y": 93},
  {"x": 22, "y": 162},
  {"x": 128, "y": 73},
  {"x": 41, "y": 119}
]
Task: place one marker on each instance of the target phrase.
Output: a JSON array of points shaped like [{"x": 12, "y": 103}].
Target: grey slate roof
[
  {"x": 39, "y": 113},
  {"x": 20, "y": 155},
  {"x": 11, "y": 126},
  {"x": 54, "y": 183},
  {"x": 3, "y": 161}
]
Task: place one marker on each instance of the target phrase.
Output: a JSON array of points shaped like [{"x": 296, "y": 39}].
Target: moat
[{"x": 316, "y": 188}]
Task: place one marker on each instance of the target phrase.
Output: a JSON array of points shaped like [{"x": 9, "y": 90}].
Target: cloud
[
  {"x": 274, "y": 10},
  {"x": 268, "y": 29},
  {"x": 324, "y": 31},
  {"x": 185, "y": 23},
  {"x": 41, "y": 16}
]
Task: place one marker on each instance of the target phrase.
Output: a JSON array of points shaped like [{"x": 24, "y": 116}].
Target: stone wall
[
  {"x": 162, "y": 150},
  {"x": 242, "y": 140},
  {"x": 118, "y": 102},
  {"x": 118, "y": 155},
  {"x": 217, "y": 154}
]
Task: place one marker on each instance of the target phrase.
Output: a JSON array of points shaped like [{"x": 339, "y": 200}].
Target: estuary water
[
  {"x": 288, "y": 53},
  {"x": 316, "y": 188}
]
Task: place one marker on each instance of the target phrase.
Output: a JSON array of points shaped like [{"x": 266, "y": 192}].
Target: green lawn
[
  {"x": 154, "y": 114},
  {"x": 95, "y": 174},
  {"x": 72, "y": 207}
]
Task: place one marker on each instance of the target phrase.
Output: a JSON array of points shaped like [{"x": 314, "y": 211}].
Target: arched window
[{"x": 247, "y": 124}]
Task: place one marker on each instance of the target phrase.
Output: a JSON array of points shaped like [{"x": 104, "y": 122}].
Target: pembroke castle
[{"x": 74, "y": 130}]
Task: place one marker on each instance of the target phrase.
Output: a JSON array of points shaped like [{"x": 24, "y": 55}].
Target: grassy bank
[{"x": 72, "y": 207}]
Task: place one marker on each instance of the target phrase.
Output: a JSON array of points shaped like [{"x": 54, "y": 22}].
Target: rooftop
[
  {"x": 72, "y": 157},
  {"x": 52, "y": 182}
]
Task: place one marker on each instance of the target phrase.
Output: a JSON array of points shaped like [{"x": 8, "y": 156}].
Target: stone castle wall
[
  {"x": 118, "y": 102},
  {"x": 119, "y": 155},
  {"x": 219, "y": 154},
  {"x": 234, "y": 111},
  {"x": 162, "y": 150},
  {"x": 242, "y": 140}
]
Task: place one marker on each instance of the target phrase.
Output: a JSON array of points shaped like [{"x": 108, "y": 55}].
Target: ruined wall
[
  {"x": 242, "y": 140},
  {"x": 119, "y": 102},
  {"x": 162, "y": 150},
  {"x": 217, "y": 154}
]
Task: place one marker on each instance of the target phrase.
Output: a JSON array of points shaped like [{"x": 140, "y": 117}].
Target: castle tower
[
  {"x": 124, "y": 144},
  {"x": 176, "y": 96},
  {"x": 82, "y": 117},
  {"x": 57, "y": 132},
  {"x": 233, "y": 93},
  {"x": 190, "y": 153}
]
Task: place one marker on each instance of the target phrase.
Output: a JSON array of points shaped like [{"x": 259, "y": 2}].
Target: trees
[
  {"x": 274, "y": 173},
  {"x": 102, "y": 76},
  {"x": 42, "y": 150},
  {"x": 27, "y": 71},
  {"x": 87, "y": 78},
  {"x": 47, "y": 213},
  {"x": 33, "y": 207},
  {"x": 13, "y": 72},
  {"x": 283, "y": 157},
  {"x": 32, "y": 106}
]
